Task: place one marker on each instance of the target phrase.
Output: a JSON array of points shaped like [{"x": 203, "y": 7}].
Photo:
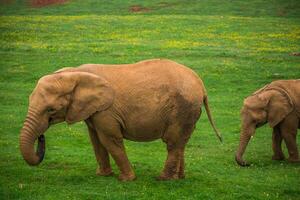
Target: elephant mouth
[
  {"x": 55, "y": 120},
  {"x": 50, "y": 121},
  {"x": 40, "y": 152},
  {"x": 258, "y": 125}
]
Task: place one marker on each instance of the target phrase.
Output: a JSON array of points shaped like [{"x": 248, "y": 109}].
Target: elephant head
[
  {"x": 62, "y": 96},
  {"x": 267, "y": 105}
]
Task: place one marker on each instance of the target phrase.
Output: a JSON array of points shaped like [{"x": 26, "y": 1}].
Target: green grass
[{"x": 235, "y": 46}]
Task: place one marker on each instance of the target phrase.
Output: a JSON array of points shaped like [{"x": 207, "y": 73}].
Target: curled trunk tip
[
  {"x": 31, "y": 156},
  {"x": 41, "y": 148}
]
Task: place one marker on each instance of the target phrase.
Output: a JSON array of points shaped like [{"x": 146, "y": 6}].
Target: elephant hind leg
[
  {"x": 172, "y": 165},
  {"x": 176, "y": 141},
  {"x": 181, "y": 173}
]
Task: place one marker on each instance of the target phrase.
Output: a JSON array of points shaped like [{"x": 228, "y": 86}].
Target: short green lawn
[{"x": 235, "y": 46}]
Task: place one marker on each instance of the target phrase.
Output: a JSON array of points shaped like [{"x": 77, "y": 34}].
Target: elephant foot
[
  {"x": 164, "y": 177},
  {"x": 104, "y": 172},
  {"x": 278, "y": 157},
  {"x": 181, "y": 176},
  {"x": 293, "y": 160},
  {"x": 127, "y": 177}
]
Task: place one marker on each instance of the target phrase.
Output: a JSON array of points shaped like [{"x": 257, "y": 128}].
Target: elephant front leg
[
  {"x": 116, "y": 148},
  {"x": 288, "y": 130},
  {"x": 102, "y": 156},
  {"x": 276, "y": 144},
  {"x": 109, "y": 132}
]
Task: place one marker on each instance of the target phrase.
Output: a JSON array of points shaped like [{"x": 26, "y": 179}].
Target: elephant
[
  {"x": 144, "y": 101},
  {"x": 278, "y": 104}
]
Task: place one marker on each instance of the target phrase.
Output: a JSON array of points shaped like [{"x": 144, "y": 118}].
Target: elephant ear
[
  {"x": 258, "y": 100},
  {"x": 279, "y": 107},
  {"x": 90, "y": 94},
  {"x": 257, "y": 104}
]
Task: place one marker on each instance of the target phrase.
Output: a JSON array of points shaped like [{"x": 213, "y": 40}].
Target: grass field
[{"x": 235, "y": 47}]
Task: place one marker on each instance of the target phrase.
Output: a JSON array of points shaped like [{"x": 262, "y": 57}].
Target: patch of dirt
[
  {"x": 6, "y": 1},
  {"x": 138, "y": 8},
  {"x": 165, "y": 4},
  {"x": 295, "y": 54},
  {"x": 281, "y": 12},
  {"x": 42, "y": 3},
  {"x": 158, "y": 6}
]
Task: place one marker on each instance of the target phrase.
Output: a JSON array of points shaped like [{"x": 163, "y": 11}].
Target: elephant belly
[{"x": 144, "y": 128}]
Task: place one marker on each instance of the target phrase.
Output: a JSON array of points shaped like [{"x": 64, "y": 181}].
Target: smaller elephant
[{"x": 278, "y": 104}]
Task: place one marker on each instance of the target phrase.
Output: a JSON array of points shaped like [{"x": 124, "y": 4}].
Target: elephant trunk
[
  {"x": 29, "y": 134},
  {"x": 246, "y": 133}
]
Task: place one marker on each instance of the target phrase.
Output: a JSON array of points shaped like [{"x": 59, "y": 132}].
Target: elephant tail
[{"x": 210, "y": 118}]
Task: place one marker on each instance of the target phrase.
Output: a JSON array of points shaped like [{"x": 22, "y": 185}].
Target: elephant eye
[{"x": 50, "y": 110}]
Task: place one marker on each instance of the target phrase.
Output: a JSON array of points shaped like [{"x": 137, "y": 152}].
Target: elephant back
[{"x": 292, "y": 88}]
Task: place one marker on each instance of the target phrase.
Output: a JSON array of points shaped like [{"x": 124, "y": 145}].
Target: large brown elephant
[
  {"x": 144, "y": 101},
  {"x": 278, "y": 104}
]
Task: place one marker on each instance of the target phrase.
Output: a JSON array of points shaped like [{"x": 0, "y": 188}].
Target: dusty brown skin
[
  {"x": 279, "y": 105},
  {"x": 144, "y": 101}
]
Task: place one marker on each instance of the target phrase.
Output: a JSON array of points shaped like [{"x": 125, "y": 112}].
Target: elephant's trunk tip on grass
[{"x": 247, "y": 131}]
